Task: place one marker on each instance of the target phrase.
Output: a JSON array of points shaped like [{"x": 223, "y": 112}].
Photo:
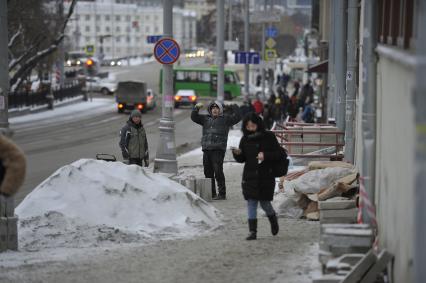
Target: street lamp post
[{"x": 165, "y": 160}]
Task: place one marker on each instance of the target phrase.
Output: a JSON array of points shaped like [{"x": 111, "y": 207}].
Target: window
[
  {"x": 87, "y": 38},
  {"x": 107, "y": 29},
  {"x": 128, "y": 18},
  {"x": 156, "y": 29},
  {"x": 108, "y": 49},
  {"x": 117, "y": 39},
  {"x": 117, "y": 18},
  {"x": 193, "y": 76},
  {"x": 87, "y": 17},
  {"x": 138, "y": 39},
  {"x": 147, "y": 29},
  {"x": 156, "y": 17},
  {"x": 127, "y": 29},
  {"x": 138, "y": 18},
  {"x": 117, "y": 29},
  {"x": 229, "y": 79},
  {"x": 98, "y": 17},
  {"x": 107, "y": 18},
  {"x": 147, "y": 17},
  {"x": 98, "y": 29},
  {"x": 128, "y": 39},
  {"x": 87, "y": 28}
]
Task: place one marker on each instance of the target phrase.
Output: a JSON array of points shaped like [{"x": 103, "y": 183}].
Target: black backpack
[{"x": 280, "y": 167}]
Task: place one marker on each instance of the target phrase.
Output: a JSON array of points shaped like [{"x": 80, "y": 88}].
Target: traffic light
[{"x": 90, "y": 67}]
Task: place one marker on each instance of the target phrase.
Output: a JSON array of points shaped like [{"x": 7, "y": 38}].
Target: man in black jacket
[{"x": 216, "y": 126}]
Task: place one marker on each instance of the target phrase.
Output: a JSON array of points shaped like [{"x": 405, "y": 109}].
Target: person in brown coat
[{"x": 12, "y": 167}]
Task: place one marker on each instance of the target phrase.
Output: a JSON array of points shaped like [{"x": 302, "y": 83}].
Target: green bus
[{"x": 203, "y": 80}]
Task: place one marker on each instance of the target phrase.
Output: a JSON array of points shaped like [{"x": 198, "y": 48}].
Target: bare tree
[{"x": 33, "y": 37}]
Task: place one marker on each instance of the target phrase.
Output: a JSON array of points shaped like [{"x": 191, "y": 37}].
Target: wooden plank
[
  {"x": 382, "y": 260},
  {"x": 361, "y": 268},
  {"x": 349, "y": 232}
]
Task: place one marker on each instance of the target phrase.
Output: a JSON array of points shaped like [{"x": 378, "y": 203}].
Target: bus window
[
  {"x": 180, "y": 76},
  {"x": 229, "y": 79},
  {"x": 204, "y": 76}
]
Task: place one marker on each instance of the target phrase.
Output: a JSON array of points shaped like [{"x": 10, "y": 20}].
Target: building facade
[{"x": 119, "y": 30}]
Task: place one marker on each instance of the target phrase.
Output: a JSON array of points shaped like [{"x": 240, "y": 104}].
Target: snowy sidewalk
[{"x": 222, "y": 255}]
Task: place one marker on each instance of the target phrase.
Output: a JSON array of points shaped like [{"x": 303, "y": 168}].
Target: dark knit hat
[{"x": 135, "y": 113}]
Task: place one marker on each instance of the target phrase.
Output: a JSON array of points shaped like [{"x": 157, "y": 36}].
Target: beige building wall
[{"x": 395, "y": 158}]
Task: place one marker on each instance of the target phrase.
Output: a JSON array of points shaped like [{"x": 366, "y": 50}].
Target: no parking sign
[{"x": 166, "y": 51}]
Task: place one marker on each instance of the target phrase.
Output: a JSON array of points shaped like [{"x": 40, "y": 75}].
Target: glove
[
  {"x": 125, "y": 155},
  {"x": 199, "y": 105},
  {"x": 146, "y": 161}
]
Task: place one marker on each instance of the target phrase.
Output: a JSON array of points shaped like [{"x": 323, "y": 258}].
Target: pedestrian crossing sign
[
  {"x": 270, "y": 54},
  {"x": 90, "y": 49}
]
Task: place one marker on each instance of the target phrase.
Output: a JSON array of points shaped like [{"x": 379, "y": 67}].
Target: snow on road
[{"x": 91, "y": 202}]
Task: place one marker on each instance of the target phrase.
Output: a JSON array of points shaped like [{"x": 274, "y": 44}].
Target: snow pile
[{"x": 90, "y": 202}]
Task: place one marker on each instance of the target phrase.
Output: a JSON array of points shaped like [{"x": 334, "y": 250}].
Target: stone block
[
  {"x": 12, "y": 233},
  {"x": 336, "y": 203},
  {"x": 204, "y": 188},
  {"x": 10, "y": 207},
  {"x": 2, "y": 206},
  {"x": 338, "y": 213},
  {"x": 191, "y": 185},
  {"x": 3, "y": 234}
]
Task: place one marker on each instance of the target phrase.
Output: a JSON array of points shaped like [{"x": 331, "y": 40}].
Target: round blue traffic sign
[{"x": 166, "y": 51}]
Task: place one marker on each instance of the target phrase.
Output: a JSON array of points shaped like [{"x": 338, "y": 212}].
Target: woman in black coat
[{"x": 258, "y": 149}]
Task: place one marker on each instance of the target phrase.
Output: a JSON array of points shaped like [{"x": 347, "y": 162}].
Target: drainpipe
[
  {"x": 419, "y": 102},
  {"x": 340, "y": 61},
  {"x": 369, "y": 81},
  {"x": 330, "y": 76},
  {"x": 351, "y": 83}
]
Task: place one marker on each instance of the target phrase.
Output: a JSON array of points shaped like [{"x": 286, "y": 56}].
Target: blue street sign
[
  {"x": 242, "y": 57},
  {"x": 166, "y": 51},
  {"x": 153, "y": 38},
  {"x": 271, "y": 32}
]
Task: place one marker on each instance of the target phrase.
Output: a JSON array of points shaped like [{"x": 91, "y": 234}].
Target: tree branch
[
  {"x": 32, "y": 61},
  {"x": 14, "y": 37},
  {"x": 15, "y": 62}
]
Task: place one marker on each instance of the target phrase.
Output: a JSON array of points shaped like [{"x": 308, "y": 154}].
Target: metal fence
[{"x": 22, "y": 99}]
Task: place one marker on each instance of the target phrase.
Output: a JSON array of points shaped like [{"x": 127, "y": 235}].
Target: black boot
[
  {"x": 253, "y": 229},
  {"x": 274, "y": 224}
]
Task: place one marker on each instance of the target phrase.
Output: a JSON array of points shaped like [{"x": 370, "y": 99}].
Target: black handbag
[{"x": 280, "y": 166}]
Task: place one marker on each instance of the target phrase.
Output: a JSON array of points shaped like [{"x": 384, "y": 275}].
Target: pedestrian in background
[
  {"x": 133, "y": 141},
  {"x": 258, "y": 149},
  {"x": 213, "y": 142},
  {"x": 12, "y": 167}
]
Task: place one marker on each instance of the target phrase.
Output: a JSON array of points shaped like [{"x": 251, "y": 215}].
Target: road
[{"x": 53, "y": 143}]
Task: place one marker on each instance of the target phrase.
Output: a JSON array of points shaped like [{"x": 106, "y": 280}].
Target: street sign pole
[
  {"x": 4, "y": 71},
  {"x": 220, "y": 39},
  {"x": 165, "y": 160},
  {"x": 246, "y": 44},
  {"x": 263, "y": 50}
]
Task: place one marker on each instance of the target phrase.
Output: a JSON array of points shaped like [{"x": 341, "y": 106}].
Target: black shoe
[
  {"x": 219, "y": 197},
  {"x": 253, "y": 229},
  {"x": 274, "y": 224}
]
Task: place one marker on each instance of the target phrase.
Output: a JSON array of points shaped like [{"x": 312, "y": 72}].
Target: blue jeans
[{"x": 264, "y": 204}]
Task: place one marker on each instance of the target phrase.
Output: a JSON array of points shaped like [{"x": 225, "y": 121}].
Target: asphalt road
[{"x": 55, "y": 143}]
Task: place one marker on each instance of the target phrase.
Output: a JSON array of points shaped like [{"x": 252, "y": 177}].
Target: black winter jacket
[
  {"x": 258, "y": 180},
  {"x": 215, "y": 130}
]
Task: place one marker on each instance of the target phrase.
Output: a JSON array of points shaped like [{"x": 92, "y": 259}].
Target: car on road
[
  {"x": 151, "y": 99},
  {"x": 102, "y": 85},
  {"x": 185, "y": 97},
  {"x": 131, "y": 95}
]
